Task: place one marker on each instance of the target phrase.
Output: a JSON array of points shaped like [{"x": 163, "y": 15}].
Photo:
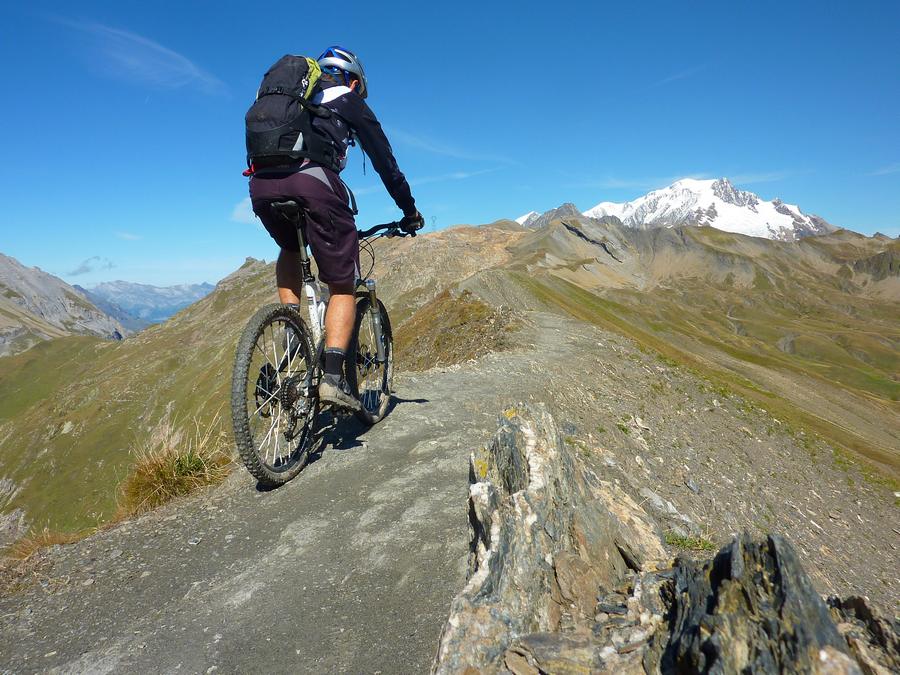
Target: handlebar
[{"x": 391, "y": 230}]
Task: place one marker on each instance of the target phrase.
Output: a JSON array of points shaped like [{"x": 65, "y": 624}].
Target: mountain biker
[{"x": 330, "y": 228}]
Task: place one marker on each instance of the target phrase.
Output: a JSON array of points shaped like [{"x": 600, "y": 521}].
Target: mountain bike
[{"x": 279, "y": 363}]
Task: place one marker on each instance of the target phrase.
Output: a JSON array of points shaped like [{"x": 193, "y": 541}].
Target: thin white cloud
[
  {"x": 243, "y": 212},
  {"x": 456, "y": 175},
  {"x": 885, "y": 170},
  {"x": 425, "y": 180},
  {"x": 125, "y": 55},
  {"x": 128, "y": 236},
  {"x": 92, "y": 264},
  {"x": 680, "y": 75},
  {"x": 437, "y": 147}
]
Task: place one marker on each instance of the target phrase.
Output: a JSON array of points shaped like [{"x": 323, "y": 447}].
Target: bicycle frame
[{"x": 317, "y": 307}]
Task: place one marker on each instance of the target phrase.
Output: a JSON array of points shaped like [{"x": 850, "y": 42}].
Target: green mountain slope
[
  {"x": 810, "y": 329},
  {"x": 73, "y": 407}
]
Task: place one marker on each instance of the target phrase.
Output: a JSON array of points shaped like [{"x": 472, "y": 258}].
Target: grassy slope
[
  {"x": 71, "y": 409},
  {"x": 839, "y": 379},
  {"x": 450, "y": 329}
]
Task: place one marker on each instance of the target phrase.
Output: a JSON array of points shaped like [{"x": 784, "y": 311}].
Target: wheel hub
[{"x": 294, "y": 401}]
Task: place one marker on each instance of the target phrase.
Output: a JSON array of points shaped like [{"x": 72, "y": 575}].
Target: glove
[{"x": 410, "y": 224}]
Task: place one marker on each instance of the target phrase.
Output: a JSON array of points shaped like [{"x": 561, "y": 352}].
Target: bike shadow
[
  {"x": 342, "y": 432},
  {"x": 345, "y": 431}
]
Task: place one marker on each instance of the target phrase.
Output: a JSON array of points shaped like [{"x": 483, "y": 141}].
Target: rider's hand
[{"x": 410, "y": 224}]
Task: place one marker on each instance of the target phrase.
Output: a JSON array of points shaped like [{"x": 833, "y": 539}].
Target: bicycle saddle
[{"x": 288, "y": 208}]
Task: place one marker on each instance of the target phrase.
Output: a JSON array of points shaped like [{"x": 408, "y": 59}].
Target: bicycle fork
[{"x": 375, "y": 318}]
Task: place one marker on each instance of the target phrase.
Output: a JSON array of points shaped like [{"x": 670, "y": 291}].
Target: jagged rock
[
  {"x": 750, "y": 609},
  {"x": 546, "y": 535},
  {"x": 567, "y": 574},
  {"x": 873, "y": 641},
  {"x": 13, "y": 525}
]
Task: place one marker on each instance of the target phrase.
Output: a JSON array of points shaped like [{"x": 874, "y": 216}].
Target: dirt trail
[
  {"x": 348, "y": 568},
  {"x": 351, "y": 566}
]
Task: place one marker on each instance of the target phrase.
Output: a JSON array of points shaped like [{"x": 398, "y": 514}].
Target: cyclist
[{"x": 330, "y": 228}]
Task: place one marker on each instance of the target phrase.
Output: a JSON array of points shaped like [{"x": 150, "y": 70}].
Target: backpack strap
[{"x": 317, "y": 110}]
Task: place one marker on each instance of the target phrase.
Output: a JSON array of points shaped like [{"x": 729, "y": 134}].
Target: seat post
[{"x": 304, "y": 256}]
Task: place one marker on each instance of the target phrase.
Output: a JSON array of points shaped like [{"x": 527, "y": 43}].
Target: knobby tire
[
  {"x": 359, "y": 357},
  {"x": 245, "y": 388}
]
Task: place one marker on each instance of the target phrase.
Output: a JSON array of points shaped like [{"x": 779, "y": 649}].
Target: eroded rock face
[
  {"x": 547, "y": 536},
  {"x": 752, "y": 608},
  {"x": 567, "y": 574}
]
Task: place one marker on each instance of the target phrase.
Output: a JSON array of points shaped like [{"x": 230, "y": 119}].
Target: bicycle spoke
[
  {"x": 290, "y": 354},
  {"x": 263, "y": 404},
  {"x": 276, "y": 451},
  {"x": 268, "y": 435},
  {"x": 275, "y": 354}
]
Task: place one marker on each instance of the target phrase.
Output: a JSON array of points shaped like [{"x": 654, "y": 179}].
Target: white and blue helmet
[{"x": 344, "y": 63}]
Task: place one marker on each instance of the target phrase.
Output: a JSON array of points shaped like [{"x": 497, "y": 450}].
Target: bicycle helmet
[{"x": 339, "y": 61}]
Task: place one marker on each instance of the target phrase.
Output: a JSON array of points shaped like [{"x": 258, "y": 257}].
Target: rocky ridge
[
  {"x": 567, "y": 574},
  {"x": 377, "y": 525}
]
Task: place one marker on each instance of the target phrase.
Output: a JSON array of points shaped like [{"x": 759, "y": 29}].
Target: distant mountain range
[
  {"x": 143, "y": 303},
  {"x": 37, "y": 306},
  {"x": 715, "y": 203}
]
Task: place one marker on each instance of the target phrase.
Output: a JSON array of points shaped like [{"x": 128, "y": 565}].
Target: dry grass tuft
[
  {"x": 20, "y": 567},
  {"x": 25, "y": 547},
  {"x": 168, "y": 464},
  {"x": 172, "y": 462}
]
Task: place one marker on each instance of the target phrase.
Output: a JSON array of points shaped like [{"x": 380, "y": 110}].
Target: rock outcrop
[{"x": 567, "y": 574}]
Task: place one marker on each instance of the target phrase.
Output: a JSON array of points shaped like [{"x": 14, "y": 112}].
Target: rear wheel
[
  {"x": 273, "y": 399},
  {"x": 369, "y": 378}
]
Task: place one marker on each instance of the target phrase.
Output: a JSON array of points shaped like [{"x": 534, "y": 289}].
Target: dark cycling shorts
[{"x": 330, "y": 229}]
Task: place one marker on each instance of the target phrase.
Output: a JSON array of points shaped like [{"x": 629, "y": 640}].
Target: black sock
[{"x": 334, "y": 363}]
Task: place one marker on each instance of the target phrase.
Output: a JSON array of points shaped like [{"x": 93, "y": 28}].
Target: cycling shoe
[{"x": 339, "y": 395}]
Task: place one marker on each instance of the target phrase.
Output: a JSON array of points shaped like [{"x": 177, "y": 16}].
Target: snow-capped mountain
[
  {"x": 528, "y": 218},
  {"x": 716, "y": 203}
]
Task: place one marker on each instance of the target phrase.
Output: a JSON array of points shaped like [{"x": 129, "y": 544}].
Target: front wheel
[
  {"x": 370, "y": 378},
  {"x": 274, "y": 403}
]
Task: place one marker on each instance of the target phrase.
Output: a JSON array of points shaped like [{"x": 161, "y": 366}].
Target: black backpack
[{"x": 279, "y": 123}]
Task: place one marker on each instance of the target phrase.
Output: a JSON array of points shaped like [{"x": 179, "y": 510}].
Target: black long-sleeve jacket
[{"x": 352, "y": 121}]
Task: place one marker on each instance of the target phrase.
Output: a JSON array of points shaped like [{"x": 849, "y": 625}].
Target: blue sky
[{"x": 123, "y": 137}]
